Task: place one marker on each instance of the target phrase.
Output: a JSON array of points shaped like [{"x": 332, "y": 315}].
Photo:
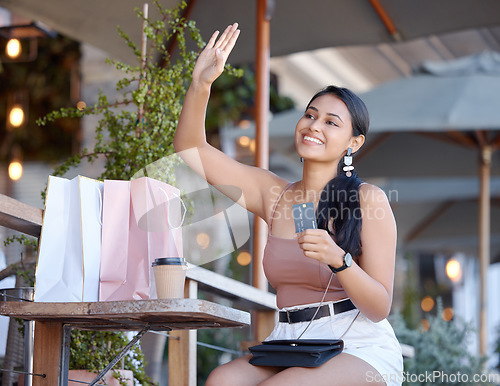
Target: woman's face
[{"x": 325, "y": 130}]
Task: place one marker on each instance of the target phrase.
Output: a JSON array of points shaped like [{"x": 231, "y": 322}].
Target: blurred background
[{"x": 52, "y": 55}]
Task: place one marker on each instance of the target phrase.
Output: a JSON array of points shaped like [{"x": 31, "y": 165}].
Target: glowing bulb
[
  {"x": 253, "y": 146},
  {"x": 448, "y": 314},
  {"x": 203, "y": 240},
  {"x": 244, "y": 258},
  {"x": 15, "y": 170},
  {"x": 454, "y": 270},
  {"x": 81, "y": 105},
  {"x": 244, "y": 124},
  {"x": 13, "y": 48},
  {"x": 427, "y": 303},
  {"x": 244, "y": 141},
  {"x": 16, "y": 116}
]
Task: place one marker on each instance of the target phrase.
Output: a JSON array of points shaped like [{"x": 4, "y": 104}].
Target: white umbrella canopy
[
  {"x": 461, "y": 95},
  {"x": 295, "y": 25}
]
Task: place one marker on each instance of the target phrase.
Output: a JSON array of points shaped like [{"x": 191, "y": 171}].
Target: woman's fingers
[
  {"x": 228, "y": 38},
  {"x": 221, "y": 42},
  {"x": 212, "y": 40},
  {"x": 232, "y": 41}
]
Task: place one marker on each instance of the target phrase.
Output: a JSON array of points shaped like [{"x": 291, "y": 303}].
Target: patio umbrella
[{"x": 456, "y": 102}]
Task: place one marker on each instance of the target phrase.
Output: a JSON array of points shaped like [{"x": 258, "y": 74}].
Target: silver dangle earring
[
  {"x": 348, "y": 163},
  {"x": 301, "y": 159}
]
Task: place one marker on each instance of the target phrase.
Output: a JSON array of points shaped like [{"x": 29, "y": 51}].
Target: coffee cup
[{"x": 170, "y": 275}]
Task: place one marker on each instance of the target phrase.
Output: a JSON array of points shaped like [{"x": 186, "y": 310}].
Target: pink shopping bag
[{"x": 141, "y": 222}]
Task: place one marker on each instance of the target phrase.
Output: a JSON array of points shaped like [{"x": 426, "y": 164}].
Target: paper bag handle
[
  {"x": 99, "y": 212},
  {"x": 168, "y": 209}
]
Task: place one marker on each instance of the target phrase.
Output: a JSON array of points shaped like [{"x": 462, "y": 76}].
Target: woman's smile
[{"x": 309, "y": 140}]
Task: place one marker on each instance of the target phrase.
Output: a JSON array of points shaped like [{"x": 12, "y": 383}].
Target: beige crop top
[{"x": 296, "y": 278}]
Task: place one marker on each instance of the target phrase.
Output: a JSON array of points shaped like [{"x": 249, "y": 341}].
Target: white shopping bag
[{"x": 70, "y": 243}]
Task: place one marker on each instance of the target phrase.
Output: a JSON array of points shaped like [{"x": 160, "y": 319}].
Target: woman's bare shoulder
[{"x": 370, "y": 194}]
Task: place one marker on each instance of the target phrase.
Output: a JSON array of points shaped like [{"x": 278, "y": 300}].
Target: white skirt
[{"x": 375, "y": 343}]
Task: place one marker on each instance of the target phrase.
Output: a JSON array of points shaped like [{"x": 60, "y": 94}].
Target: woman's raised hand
[{"x": 210, "y": 63}]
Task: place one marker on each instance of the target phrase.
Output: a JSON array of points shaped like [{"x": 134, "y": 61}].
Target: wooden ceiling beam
[
  {"x": 452, "y": 137},
  {"x": 428, "y": 220},
  {"x": 367, "y": 149}
]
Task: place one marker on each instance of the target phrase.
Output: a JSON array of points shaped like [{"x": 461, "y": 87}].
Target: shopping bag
[
  {"x": 216, "y": 225},
  {"x": 141, "y": 222},
  {"x": 70, "y": 243}
]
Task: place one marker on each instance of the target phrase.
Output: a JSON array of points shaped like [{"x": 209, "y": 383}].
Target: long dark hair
[{"x": 338, "y": 210}]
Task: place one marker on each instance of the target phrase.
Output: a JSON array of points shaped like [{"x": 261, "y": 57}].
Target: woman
[{"x": 354, "y": 220}]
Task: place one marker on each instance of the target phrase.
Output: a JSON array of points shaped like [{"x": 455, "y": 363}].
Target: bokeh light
[
  {"x": 203, "y": 240},
  {"x": 81, "y": 105},
  {"x": 424, "y": 323},
  {"x": 15, "y": 170},
  {"x": 427, "y": 303},
  {"x": 13, "y": 48},
  {"x": 244, "y": 141},
  {"x": 16, "y": 116},
  {"x": 448, "y": 314},
  {"x": 454, "y": 270},
  {"x": 244, "y": 258}
]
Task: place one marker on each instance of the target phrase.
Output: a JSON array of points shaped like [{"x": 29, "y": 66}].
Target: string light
[
  {"x": 13, "y": 48},
  {"x": 244, "y": 141},
  {"x": 448, "y": 314},
  {"x": 427, "y": 303},
  {"x": 15, "y": 170},
  {"x": 81, "y": 105},
  {"x": 16, "y": 116},
  {"x": 454, "y": 270},
  {"x": 203, "y": 240},
  {"x": 244, "y": 258},
  {"x": 244, "y": 124}
]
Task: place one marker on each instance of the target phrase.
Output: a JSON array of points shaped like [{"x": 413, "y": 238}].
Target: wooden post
[
  {"x": 484, "y": 244},
  {"x": 261, "y": 132},
  {"x": 47, "y": 353},
  {"x": 262, "y": 68},
  {"x": 182, "y": 349}
]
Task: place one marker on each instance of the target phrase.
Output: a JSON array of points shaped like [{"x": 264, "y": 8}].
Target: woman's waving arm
[{"x": 190, "y": 139}]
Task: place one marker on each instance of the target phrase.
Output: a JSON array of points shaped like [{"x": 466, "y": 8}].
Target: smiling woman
[{"x": 333, "y": 281}]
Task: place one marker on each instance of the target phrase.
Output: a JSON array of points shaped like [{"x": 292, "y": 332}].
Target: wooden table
[{"x": 53, "y": 322}]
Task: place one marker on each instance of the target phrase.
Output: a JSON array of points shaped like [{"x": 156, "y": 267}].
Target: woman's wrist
[
  {"x": 338, "y": 260},
  {"x": 199, "y": 85}
]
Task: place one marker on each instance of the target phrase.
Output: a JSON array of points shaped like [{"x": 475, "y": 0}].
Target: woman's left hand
[{"x": 319, "y": 245}]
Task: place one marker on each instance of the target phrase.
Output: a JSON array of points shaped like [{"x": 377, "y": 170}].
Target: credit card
[{"x": 304, "y": 216}]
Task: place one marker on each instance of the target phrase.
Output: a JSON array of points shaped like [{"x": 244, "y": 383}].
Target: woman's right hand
[{"x": 210, "y": 63}]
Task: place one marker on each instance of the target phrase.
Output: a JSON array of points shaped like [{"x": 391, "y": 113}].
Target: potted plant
[
  {"x": 91, "y": 351},
  {"x": 439, "y": 349}
]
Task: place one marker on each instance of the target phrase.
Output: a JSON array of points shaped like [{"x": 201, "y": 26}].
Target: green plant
[
  {"x": 23, "y": 268},
  {"x": 138, "y": 129},
  {"x": 93, "y": 350},
  {"x": 441, "y": 353}
]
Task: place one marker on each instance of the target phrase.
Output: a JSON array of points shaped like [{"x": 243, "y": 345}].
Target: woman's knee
[
  {"x": 238, "y": 372},
  {"x": 221, "y": 376}
]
